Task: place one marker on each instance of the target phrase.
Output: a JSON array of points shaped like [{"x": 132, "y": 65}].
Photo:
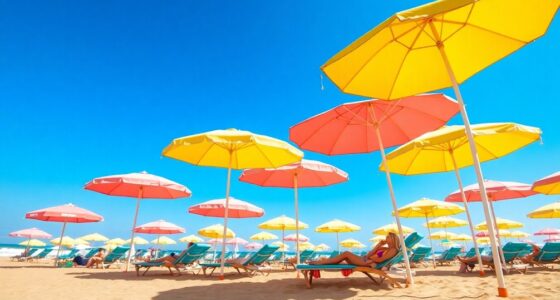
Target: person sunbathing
[
  {"x": 384, "y": 250},
  {"x": 530, "y": 258},
  {"x": 96, "y": 259}
]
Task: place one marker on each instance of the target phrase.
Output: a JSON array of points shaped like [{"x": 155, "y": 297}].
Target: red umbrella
[
  {"x": 30, "y": 233},
  {"x": 306, "y": 173},
  {"x": 159, "y": 227},
  {"x": 141, "y": 186},
  {"x": 66, "y": 214},
  {"x": 372, "y": 125},
  {"x": 237, "y": 209}
]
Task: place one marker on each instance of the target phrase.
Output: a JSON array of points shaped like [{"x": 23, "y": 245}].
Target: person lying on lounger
[
  {"x": 169, "y": 260},
  {"x": 529, "y": 258},
  {"x": 384, "y": 250},
  {"x": 97, "y": 258}
]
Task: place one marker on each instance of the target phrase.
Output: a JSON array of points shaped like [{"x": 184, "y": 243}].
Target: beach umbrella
[
  {"x": 306, "y": 245},
  {"x": 549, "y": 211},
  {"x": 163, "y": 240},
  {"x": 32, "y": 243},
  {"x": 115, "y": 242},
  {"x": 216, "y": 231},
  {"x": 548, "y": 231},
  {"x": 302, "y": 174},
  {"x": 263, "y": 236},
  {"x": 501, "y": 233},
  {"x": 65, "y": 241},
  {"x": 294, "y": 238},
  {"x": 281, "y": 246},
  {"x": 500, "y": 224},
  {"x": 159, "y": 227},
  {"x": 447, "y": 149},
  {"x": 94, "y": 237},
  {"x": 442, "y": 235},
  {"x": 461, "y": 237},
  {"x": 191, "y": 239},
  {"x": 253, "y": 246},
  {"x": 445, "y": 222},
  {"x": 372, "y": 125},
  {"x": 235, "y": 242},
  {"x": 137, "y": 241},
  {"x": 392, "y": 228},
  {"x": 377, "y": 238},
  {"x": 30, "y": 233},
  {"x": 80, "y": 242},
  {"x": 549, "y": 185},
  {"x": 283, "y": 223},
  {"x": 435, "y": 46},
  {"x": 337, "y": 226},
  {"x": 322, "y": 247},
  {"x": 237, "y": 209},
  {"x": 519, "y": 234},
  {"x": 483, "y": 241},
  {"x": 232, "y": 149},
  {"x": 552, "y": 238},
  {"x": 64, "y": 214},
  {"x": 425, "y": 208},
  {"x": 140, "y": 186},
  {"x": 351, "y": 244}
]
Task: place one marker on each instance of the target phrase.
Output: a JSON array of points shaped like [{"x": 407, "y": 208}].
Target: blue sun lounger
[
  {"x": 549, "y": 254},
  {"x": 419, "y": 254},
  {"x": 378, "y": 270},
  {"x": 448, "y": 256},
  {"x": 185, "y": 258},
  {"x": 251, "y": 266}
]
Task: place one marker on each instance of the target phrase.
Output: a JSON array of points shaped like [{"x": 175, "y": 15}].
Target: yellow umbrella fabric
[
  {"x": 138, "y": 241},
  {"x": 115, "y": 242},
  {"x": 263, "y": 236},
  {"x": 80, "y": 241},
  {"x": 391, "y": 228},
  {"x": 447, "y": 148},
  {"x": 549, "y": 211},
  {"x": 519, "y": 234},
  {"x": 429, "y": 208},
  {"x": 461, "y": 237},
  {"x": 445, "y": 222},
  {"x": 501, "y": 224},
  {"x": 337, "y": 226},
  {"x": 322, "y": 247},
  {"x": 33, "y": 243},
  {"x": 442, "y": 235},
  {"x": 191, "y": 239},
  {"x": 94, "y": 237},
  {"x": 377, "y": 239},
  {"x": 306, "y": 245},
  {"x": 216, "y": 231},
  {"x": 282, "y": 223},
  {"x": 483, "y": 241},
  {"x": 163, "y": 240},
  {"x": 352, "y": 243},
  {"x": 283, "y": 247},
  {"x": 66, "y": 241}
]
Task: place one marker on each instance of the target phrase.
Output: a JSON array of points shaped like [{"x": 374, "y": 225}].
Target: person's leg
[{"x": 346, "y": 256}]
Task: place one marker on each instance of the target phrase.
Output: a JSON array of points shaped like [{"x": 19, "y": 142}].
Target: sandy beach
[{"x": 42, "y": 281}]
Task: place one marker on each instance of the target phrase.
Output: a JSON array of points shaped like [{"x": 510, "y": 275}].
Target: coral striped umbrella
[
  {"x": 237, "y": 209},
  {"x": 141, "y": 186},
  {"x": 30, "y": 233},
  {"x": 67, "y": 213},
  {"x": 159, "y": 227},
  {"x": 293, "y": 238},
  {"x": 548, "y": 231},
  {"x": 549, "y": 185},
  {"x": 253, "y": 246}
]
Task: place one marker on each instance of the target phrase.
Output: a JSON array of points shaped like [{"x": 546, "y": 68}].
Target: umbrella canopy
[
  {"x": 282, "y": 247},
  {"x": 163, "y": 240},
  {"x": 496, "y": 190},
  {"x": 336, "y": 226},
  {"x": 552, "y": 238},
  {"x": 429, "y": 208},
  {"x": 80, "y": 241},
  {"x": 461, "y": 237},
  {"x": 322, "y": 247},
  {"x": 548, "y": 231},
  {"x": 253, "y": 246},
  {"x": 31, "y": 233},
  {"x": 191, "y": 239},
  {"x": 548, "y": 211},
  {"x": 500, "y": 224},
  {"x": 32, "y": 243},
  {"x": 67, "y": 213},
  {"x": 377, "y": 238},
  {"x": 116, "y": 242},
  {"x": 159, "y": 227},
  {"x": 236, "y": 241},
  {"x": 141, "y": 186},
  {"x": 306, "y": 245},
  {"x": 519, "y": 234},
  {"x": 237, "y": 209},
  {"x": 216, "y": 231},
  {"x": 263, "y": 236},
  {"x": 391, "y": 228},
  {"x": 282, "y": 223},
  {"x": 442, "y": 235},
  {"x": 483, "y": 241},
  {"x": 94, "y": 237},
  {"x": 549, "y": 185},
  {"x": 447, "y": 148},
  {"x": 351, "y": 243},
  {"x": 293, "y": 238},
  {"x": 65, "y": 241},
  {"x": 501, "y": 233},
  {"x": 445, "y": 222},
  {"x": 137, "y": 241}
]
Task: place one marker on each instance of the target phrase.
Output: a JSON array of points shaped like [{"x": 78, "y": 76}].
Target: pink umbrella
[
  {"x": 548, "y": 231},
  {"x": 253, "y": 246},
  {"x": 236, "y": 241},
  {"x": 293, "y": 237},
  {"x": 30, "y": 233},
  {"x": 159, "y": 227},
  {"x": 552, "y": 238},
  {"x": 237, "y": 209},
  {"x": 367, "y": 126},
  {"x": 67, "y": 213},
  {"x": 141, "y": 186},
  {"x": 306, "y": 173}
]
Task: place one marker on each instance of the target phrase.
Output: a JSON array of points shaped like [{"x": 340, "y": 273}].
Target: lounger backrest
[
  {"x": 470, "y": 253},
  {"x": 32, "y": 251},
  {"x": 410, "y": 241},
  {"x": 90, "y": 253},
  {"x": 44, "y": 253},
  {"x": 192, "y": 254},
  {"x": 116, "y": 254},
  {"x": 420, "y": 253},
  {"x": 549, "y": 252},
  {"x": 305, "y": 255},
  {"x": 262, "y": 255},
  {"x": 450, "y": 253},
  {"x": 512, "y": 250}
]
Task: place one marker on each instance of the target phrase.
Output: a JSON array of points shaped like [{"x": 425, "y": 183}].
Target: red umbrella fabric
[
  {"x": 237, "y": 209},
  {"x": 293, "y": 238},
  {"x": 552, "y": 238},
  {"x": 548, "y": 185},
  {"x": 67, "y": 213},
  {"x": 548, "y": 231},
  {"x": 159, "y": 227},
  {"x": 31, "y": 233},
  {"x": 253, "y": 246},
  {"x": 496, "y": 190}
]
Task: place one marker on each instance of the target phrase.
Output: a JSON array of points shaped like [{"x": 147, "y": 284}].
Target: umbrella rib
[
  {"x": 410, "y": 165},
  {"x": 342, "y": 131},
  {"x": 265, "y": 156},
  {"x": 319, "y": 128}
]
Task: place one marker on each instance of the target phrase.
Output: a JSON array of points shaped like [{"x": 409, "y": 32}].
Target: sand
[{"x": 42, "y": 281}]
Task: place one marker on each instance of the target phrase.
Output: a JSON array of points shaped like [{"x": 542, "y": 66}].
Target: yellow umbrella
[
  {"x": 163, "y": 240},
  {"x": 216, "y": 231},
  {"x": 447, "y": 149},
  {"x": 519, "y": 234},
  {"x": 461, "y": 237},
  {"x": 337, "y": 226},
  {"x": 377, "y": 239},
  {"x": 445, "y": 222},
  {"x": 282, "y": 223},
  {"x": 306, "y": 245},
  {"x": 191, "y": 239},
  {"x": 137, "y": 241},
  {"x": 352, "y": 243},
  {"x": 392, "y": 228},
  {"x": 94, "y": 237},
  {"x": 438, "y": 45},
  {"x": 283, "y": 247},
  {"x": 80, "y": 241},
  {"x": 115, "y": 242},
  {"x": 549, "y": 211},
  {"x": 66, "y": 241},
  {"x": 442, "y": 235},
  {"x": 232, "y": 149},
  {"x": 500, "y": 224},
  {"x": 483, "y": 241},
  {"x": 263, "y": 236},
  {"x": 32, "y": 243},
  {"x": 322, "y": 247}
]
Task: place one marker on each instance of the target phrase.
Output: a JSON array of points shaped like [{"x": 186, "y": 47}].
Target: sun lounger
[
  {"x": 69, "y": 255},
  {"x": 304, "y": 256},
  {"x": 252, "y": 265},
  {"x": 511, "y": 252},
  {"x": 27, "y": 255},
  {"x": 549, "y": 254},
  {"x": 185, "y": 258},
  {"x": 419, "y": 254},
  {"x": 114, "y": 256},
  {"x": 43, "y": 254},
  {"x": 310, "y": 271},
  {"x": 334, "y": 253},
  {"x": 448, "y": 256}
]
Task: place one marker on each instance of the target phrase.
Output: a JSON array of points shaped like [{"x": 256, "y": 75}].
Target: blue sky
[{"x": 91, "y": 89}]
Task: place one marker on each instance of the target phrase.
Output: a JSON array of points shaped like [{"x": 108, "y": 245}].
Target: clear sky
[{"x": 93, "y": 88}]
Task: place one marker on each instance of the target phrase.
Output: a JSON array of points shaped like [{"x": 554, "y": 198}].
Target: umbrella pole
[
  {"x": 297, "y": 220},
  {"x": 131, "y": 250},
  {"x": 283, "y": 252},
  {"x": 471, "y": 227},
  {"x": 498, "y": 235},
  {"x": 409, "y": 279},
  {"x": 337, "y": 244},
  {"x": 59, "y": 244},
  {"x": 27, "y": 247},
  {"x": 431, "y": 243},
  {"x": 157, "y": 249},
  {"x": 228, "y": 185},
  {"x": 502, "y": 290}
]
